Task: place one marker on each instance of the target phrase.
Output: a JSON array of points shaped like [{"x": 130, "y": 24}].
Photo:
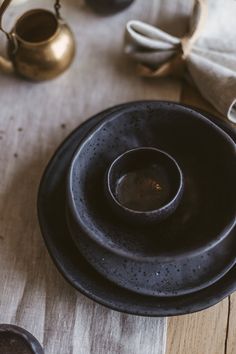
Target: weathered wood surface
[{"x": 230, "y": 343}]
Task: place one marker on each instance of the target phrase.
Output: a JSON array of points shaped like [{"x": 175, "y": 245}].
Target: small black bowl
[
  {"x": 144, "y": 185},
  {"x": 14, "y": 339}
]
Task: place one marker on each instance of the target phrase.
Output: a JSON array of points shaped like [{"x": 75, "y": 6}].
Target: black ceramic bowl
[
  {"x": 144, "y": 185},
  {"x": 135, "y": 256},
  {"x": 170, "y": 278},
  {"x": 14, "y": 339},
  {"x": 206, "y": 156}
]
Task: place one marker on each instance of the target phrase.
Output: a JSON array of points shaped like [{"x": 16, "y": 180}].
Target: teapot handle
[
  {"x": 6, "y": 3},
  {"x": 5, "y": 65},
  {"x": 57, "y": 7},
  {"x": 3, "y": 8}
]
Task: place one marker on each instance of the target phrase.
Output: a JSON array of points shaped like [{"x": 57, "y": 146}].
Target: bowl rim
[
  {"x": 172, "y": 200},
  {"x": 110, "y": 246}
]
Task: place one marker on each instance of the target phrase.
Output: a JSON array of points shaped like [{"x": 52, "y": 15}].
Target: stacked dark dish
[{"x": 147, "y": 224}]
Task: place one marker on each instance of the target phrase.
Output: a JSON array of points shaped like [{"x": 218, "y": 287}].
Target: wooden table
[{"x": 34, "y": 119}]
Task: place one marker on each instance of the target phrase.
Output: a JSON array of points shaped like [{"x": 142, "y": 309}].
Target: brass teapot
[{"x": 40, "y": 46}]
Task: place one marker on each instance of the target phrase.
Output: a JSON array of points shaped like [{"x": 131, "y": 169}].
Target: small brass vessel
[{"x": 41, "y": 45}]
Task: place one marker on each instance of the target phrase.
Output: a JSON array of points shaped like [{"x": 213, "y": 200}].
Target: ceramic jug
[{"x": 40, "y": 46}]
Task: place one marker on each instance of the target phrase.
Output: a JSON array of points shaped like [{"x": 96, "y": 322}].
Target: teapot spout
[{"x": 6, "y": 66}]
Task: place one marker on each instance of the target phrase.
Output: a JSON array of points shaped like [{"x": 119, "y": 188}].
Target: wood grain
[
  {"x": 230, "y": 342},
  {"x": 203, "y": 332},
  {"x": 34, "y": 118}
]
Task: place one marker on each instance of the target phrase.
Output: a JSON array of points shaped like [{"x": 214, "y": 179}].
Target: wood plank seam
[{"x": 227, "y": 325}]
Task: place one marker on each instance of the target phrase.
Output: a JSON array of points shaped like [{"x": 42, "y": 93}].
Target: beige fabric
[
  {"x": 34, "y": 119},
  {"x": 208, "y": 52}
]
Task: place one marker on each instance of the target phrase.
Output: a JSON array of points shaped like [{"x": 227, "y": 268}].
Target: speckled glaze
[
  {"x": 108, "y": 246},
  {"x": 16, "y": 340},
  {"x": 206, "y": 156},
  {"x": 173, "y": 278},
  {"x": 78, "y": 272},
  {"x": 138, "y": 160}
]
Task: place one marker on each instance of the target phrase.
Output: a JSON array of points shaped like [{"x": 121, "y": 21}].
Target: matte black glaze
[
  {"x": 206, "y": 156},
  {"x": 172, "y": 278},
  {"x": 51, "y": 211},
  {"x": 144, "y": 185},
  {"x": 106, "y": 7},
  {"x": 16, "y": 340}
]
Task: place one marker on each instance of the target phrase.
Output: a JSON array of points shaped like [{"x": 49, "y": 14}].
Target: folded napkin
[{"x": 206, "y": 55}]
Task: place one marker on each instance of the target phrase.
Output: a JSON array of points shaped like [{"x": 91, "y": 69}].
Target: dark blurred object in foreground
[{"x": 108, "y": 7}]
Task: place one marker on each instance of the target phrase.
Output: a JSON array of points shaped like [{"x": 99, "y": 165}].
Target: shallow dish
[{"x": 78, "y": 272}]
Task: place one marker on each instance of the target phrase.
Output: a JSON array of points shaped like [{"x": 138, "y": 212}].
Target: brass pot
[{"x": 40, "y": 46}]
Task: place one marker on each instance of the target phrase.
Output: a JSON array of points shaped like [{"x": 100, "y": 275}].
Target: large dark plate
[{"x": 51, "y": 211}]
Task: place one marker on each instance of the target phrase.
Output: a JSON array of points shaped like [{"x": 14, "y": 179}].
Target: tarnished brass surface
[{"x": 40, "y": 46}]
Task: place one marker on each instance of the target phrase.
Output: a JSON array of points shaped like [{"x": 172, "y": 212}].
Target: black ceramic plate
[
  {"x": 51, "y": 211},
  {"x": 206, "y": 156}
]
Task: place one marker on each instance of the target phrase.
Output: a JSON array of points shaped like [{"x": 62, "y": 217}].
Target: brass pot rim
[{"x": 35, "y": 44}]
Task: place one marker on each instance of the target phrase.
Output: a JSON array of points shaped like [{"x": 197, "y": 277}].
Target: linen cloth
[
  {"x": 210, "y": 62},
  {"x": 34, "y": 119}
]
